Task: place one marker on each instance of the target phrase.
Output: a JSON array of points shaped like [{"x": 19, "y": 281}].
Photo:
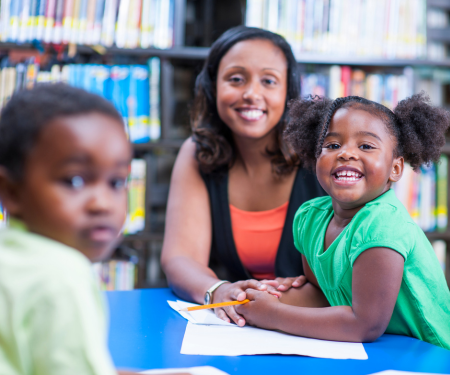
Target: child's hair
[
  {"x": 214, "y": 143},
  {"x": 29, "y": 111},
  {"x": 418, "y": 127}
]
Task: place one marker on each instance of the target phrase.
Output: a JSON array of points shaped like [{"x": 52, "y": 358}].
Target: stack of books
[
  {"x": 133, "y": 89},
  {"x": 424, "y": 195},
  {"x": 340, "y": 81},
  {"x": 125, "y": 23},
  {"x": 116, "y": 274},
  {"x": 375, "y": 28},
  {"x": 136, "y": 197}
]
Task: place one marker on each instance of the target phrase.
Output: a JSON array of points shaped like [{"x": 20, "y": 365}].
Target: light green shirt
[
  {"x": 52, "y": 316},
  {"x": 422, "y": 309}
]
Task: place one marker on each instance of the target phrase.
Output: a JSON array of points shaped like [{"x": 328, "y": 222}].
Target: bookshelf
[{"x": 196, "y": 24}]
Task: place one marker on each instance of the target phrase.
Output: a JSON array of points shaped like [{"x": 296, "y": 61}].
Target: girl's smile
[{"x": 357, "y": 162}]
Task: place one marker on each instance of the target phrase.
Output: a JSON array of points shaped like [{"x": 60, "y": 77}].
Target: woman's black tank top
[{"x": 224, "y": 259}]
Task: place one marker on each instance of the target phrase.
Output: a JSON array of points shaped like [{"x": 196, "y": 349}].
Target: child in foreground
[
  {"x": 64, "y": 159},
  {"x": 361, "y": 249}
]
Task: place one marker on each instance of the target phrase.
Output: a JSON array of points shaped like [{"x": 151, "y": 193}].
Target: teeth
[
  {"x": 348, "y": 175},
  {"x": 252, "y": 114}
]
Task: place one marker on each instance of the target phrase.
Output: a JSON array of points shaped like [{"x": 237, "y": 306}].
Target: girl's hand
[
  {"x": 283, "y": 284},
  {"x": 261, "y": 310},
  {"x": 234, "y": 292}
]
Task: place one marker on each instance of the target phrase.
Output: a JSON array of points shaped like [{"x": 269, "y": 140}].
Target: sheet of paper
[
  {"x": 395, "y": 372},
  {"x": 202, "y": 370},
  {"x": 234, "y": 341},
  {"x": 198, "y": 317}
]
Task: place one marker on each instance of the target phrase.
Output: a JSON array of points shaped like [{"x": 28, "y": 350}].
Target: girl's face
[
  {"x": 252, "y": 87},
  {"x": 357, "y": 162}
]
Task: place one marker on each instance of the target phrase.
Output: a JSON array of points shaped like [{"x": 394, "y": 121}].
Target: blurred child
[
  {"x": 64, "y": 159},
  {"x": 360, "y": 248}
]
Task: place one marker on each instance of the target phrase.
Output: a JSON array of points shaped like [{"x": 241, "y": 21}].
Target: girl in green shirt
[{"x": 370, "y": 268}]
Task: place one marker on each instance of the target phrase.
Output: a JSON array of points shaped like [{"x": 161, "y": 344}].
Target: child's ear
[
  {"x": 9, "y": 192},
  {"x": 397, "y": 169}
]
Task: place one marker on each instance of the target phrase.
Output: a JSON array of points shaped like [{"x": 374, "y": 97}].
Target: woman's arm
[
  {"x": 376, "y": 279},
  {"x": 188, "y": 236}
]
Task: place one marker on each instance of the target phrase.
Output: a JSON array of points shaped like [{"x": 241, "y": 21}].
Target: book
[
  {"x": 138, "y": 104},
  {"x": 14, "y": 20},
  {"x": 440, "y": 249},
  {"x": 441, "y": 193},
  {"x": 39, "y": 26},
  {"x": 116, "y": 274},
  {"x": 136, "y": 197},
  {"x": 97, "y": 27},
  {"x": 58, "y": 26},
  {"x": 67, "y": 20},
  {"x": 121, "y": 24},
  {"x": 155, "y": 119},
  {"x": 5, "y": 7},
  {"x": 24, "y": 16}
]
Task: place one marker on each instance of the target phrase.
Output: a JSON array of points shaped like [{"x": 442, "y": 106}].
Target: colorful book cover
[
  {"x": 32, "y": 70},
  {"x": 16, "y": 6},
  {"x": 49, "y": 20},
  {"x": 101, "y": 82},
  {"x": 58, "y": 27},
  {"x": 67, "y": 20},
  {"x": 40, "y": 20},
  {"x": 90, "y": 18},
  {"x": 441, "y": 194},
  {"x": 139, "y": 104},
  {"x": 97, "y": 27},
  {"x": 2, "y": 216},
  {"x": 155, "y": 120},
  {"x": 24, "y": 17}
]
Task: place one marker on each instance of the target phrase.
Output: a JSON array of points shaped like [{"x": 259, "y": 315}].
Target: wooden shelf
[
  {"x": 174, "y": 144},
  {"x": 433, "y": 236},
  {"x": 200, "y": 53},
  {"x": 440, "y": 35}
]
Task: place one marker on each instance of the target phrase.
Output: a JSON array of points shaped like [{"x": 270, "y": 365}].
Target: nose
[
  {"x": 253, "y": 91},
  {"x": 348, "y": 153},
  {"x": 100, "y": 200}
]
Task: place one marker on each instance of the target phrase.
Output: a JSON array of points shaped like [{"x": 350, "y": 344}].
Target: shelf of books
[{"x": 132, "y": 52}]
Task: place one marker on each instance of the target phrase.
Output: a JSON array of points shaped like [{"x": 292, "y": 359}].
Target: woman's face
[{"x": 252, "y": 88}]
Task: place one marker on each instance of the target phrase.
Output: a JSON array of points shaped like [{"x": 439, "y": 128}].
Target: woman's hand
[
  {"x": 235, "y": 292},
  {"x": 283, "y": 284},
  {"x": 261, "y": 310}
]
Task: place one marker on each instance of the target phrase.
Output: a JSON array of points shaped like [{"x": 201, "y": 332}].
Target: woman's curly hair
[
  {"x": 418, "y": 127},
  {"x": 215, "y": 149}
]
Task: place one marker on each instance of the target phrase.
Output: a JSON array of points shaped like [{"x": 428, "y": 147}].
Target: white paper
[
  {"x": 203, "y": 370},
  {"x": 395, "y": 372},
  {"x": 198, "y": 317},
  {"x": 206, "y": 334},
  {"x": 229, "y": 341}
]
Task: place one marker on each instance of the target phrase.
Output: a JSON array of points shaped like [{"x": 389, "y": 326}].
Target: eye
[
  {"x": 332, "y": 146},
  {"x": 366, "y": 147},
  {"x": 118, "y": 183},
  {"x": 75, "y": 182},
  {"x": 269, "y": 81},
  {"x": 236, "y": 79}
]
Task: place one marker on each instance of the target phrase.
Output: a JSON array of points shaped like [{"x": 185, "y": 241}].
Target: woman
[{"x": 236, "y": 185}]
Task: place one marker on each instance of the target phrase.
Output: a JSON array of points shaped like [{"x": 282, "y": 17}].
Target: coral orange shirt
[{"x": 257, "y": 235}]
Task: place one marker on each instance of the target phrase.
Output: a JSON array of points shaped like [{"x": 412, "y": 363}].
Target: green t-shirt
[
  {"x": 52, "y": 315},
  {"x": 422, "y": 309}
]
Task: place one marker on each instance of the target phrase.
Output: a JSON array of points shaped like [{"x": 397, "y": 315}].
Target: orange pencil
[{"x": 214, "y": 305}]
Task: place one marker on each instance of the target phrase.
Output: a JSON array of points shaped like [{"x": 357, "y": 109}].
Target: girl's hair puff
[{"x": 418, "y": 127}]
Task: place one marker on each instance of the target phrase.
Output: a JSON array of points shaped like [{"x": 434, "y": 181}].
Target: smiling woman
[{"x": 236, "y": 184}]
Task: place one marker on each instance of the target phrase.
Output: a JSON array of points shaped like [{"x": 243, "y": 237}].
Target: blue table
[{"x": 146, "y": 333}]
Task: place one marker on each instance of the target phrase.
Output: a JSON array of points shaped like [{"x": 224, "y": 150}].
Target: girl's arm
[
  {"x": 376, "y": 279},
  {"x": 188, "y": 236}
]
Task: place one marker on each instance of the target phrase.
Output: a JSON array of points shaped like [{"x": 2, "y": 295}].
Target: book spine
[
  {"x": 75, "y": 26},
  {"x": 34, "y": 6},
  {"x": 82, "y": 22},
  {"x": 136, "y": 197},
  {"x": 144, "y": 41},
  {"x": 155, "y": 121},
  {"x": 121, "y": 26},
  {"x": 97, "y": 31},
  {"x": 5, "y": 8},
  {"x": 25, "y": 12},
  {"x": 441, "y": 193},
  {"x": 133, "y": 24},
  {"x": 67, "y": 21},
  {"x": 49, "y": 20},
  {"x": 40, "y": 20},
  {"x": 14, "y": 20},
  {"x": 90, "y": 19},
  {"x": 59, "y": 14}
]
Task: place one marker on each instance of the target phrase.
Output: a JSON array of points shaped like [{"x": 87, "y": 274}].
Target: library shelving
[{"x": 196, "y": 24}]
